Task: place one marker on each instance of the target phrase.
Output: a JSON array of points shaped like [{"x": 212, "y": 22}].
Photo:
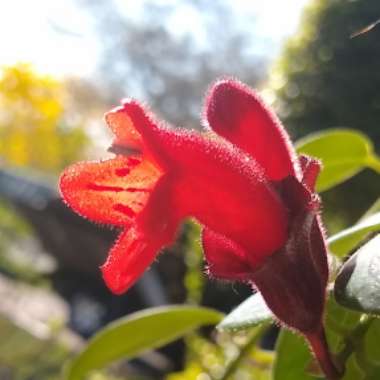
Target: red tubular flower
[
  {"x": 244, "y": 184},
  {"x": 170, "y": 175},
  {"x": 295, "y": 275},
  {"x": 293, "y": 279}
]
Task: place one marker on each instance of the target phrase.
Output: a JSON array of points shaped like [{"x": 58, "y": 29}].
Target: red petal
[
  {"x": 137, "y": 247},
  {"x": 112, "y": 191},
  {"x": 226, "y": 191},
  {"x": 222, "y": 187},
  {"x": 237, "y": 113},
  {"x": 127, "y": 260},
  {"x": 135, "y": 128},
  {"x": 310, "y": 169},
  {"x": 123, "y": 128},
  {"x": 226, "y": 260}
]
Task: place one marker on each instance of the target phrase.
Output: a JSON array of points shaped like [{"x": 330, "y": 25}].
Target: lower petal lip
[{"x": 127, "y": 260}]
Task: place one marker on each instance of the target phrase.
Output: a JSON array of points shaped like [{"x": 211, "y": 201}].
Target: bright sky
[
  {"x": 55, "y": 35},
  {"x": 59, "y": 38}
]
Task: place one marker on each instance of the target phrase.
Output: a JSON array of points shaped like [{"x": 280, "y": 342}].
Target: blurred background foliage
[
  {"x": 35, "y": 134},
  {"x": 324, "y": 79},
  {"x": 147, "y": 59},
  {"x": 320, "y": 79},
  {"x": 33, "y": 130}
]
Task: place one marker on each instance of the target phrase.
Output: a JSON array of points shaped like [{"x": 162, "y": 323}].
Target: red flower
[
  {"x": 161, "y": 176},
  {"x": 293, "y": 278},
  {"x": 243, "y": 183},
  {"x": 296, "y": 273}
]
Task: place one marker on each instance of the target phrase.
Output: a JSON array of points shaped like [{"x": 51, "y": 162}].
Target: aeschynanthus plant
[{"x": 244, "y": 183}]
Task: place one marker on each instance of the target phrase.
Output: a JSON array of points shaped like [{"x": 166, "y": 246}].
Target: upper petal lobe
[
  {"x": 237, "y": 113},
  {"x": 126, "y": 134}
]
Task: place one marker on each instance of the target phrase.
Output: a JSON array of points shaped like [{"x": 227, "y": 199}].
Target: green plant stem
[
  {"x": 374, "y": 163},
  {"x": 354, "y": 339},
  {"x": 251, "y": 342}
]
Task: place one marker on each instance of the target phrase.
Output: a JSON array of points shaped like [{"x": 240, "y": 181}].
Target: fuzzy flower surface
[
  {"x": 244, "y": 184},
  {"x": 242, "y": 181}
]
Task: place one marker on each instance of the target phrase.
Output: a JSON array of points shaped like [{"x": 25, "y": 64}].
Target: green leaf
[
  {"x": 372, "y": 346},
  {"x": 369, "y": 357},
  {"x": 344, "y": 241},
  {"x": 353, "y": 371},
  {"x": 138, "y": 332},
  {"x": 343, "y": 152},
  {"x": 357, "y": 285},
  {"x": 292, "y": 357},
  {"x": 249, "y": 313},
  {"x": 374, "y": 209}
]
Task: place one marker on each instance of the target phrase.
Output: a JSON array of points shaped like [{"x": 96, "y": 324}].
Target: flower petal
[
  {"x": 112, "y": 191},
  {"x": 223, "y": 187},
  {"x": 154, "y": 228},
  {"x": 237, "y": 113},
  {"x": 135, "y": 128},
  {"x": 226, "y": 260},
  {"x": 226, "y": 191},
  {"x": 127, "y": 260},
  {"x": 126, "y": 134}
]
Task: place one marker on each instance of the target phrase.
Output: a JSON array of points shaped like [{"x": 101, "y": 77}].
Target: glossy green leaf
[
  {"x": 138, "y": 332},
  {"x": 357, "y": 285},
  {"x": 343, "y": 152},
  {"x": 343, "y": 242},
  {"x": 249, "y": 313},
  {"x": 374, "y": 209}
]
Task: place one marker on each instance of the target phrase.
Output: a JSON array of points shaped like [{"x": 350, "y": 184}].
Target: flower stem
[{"x": 321, "y": 351}]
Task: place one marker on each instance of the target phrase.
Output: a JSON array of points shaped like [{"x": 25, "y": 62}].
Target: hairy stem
[{"x": 321, "y": 351}]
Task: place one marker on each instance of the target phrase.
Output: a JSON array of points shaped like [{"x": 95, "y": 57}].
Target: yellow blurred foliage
[{"x": 33, "y": 131}]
